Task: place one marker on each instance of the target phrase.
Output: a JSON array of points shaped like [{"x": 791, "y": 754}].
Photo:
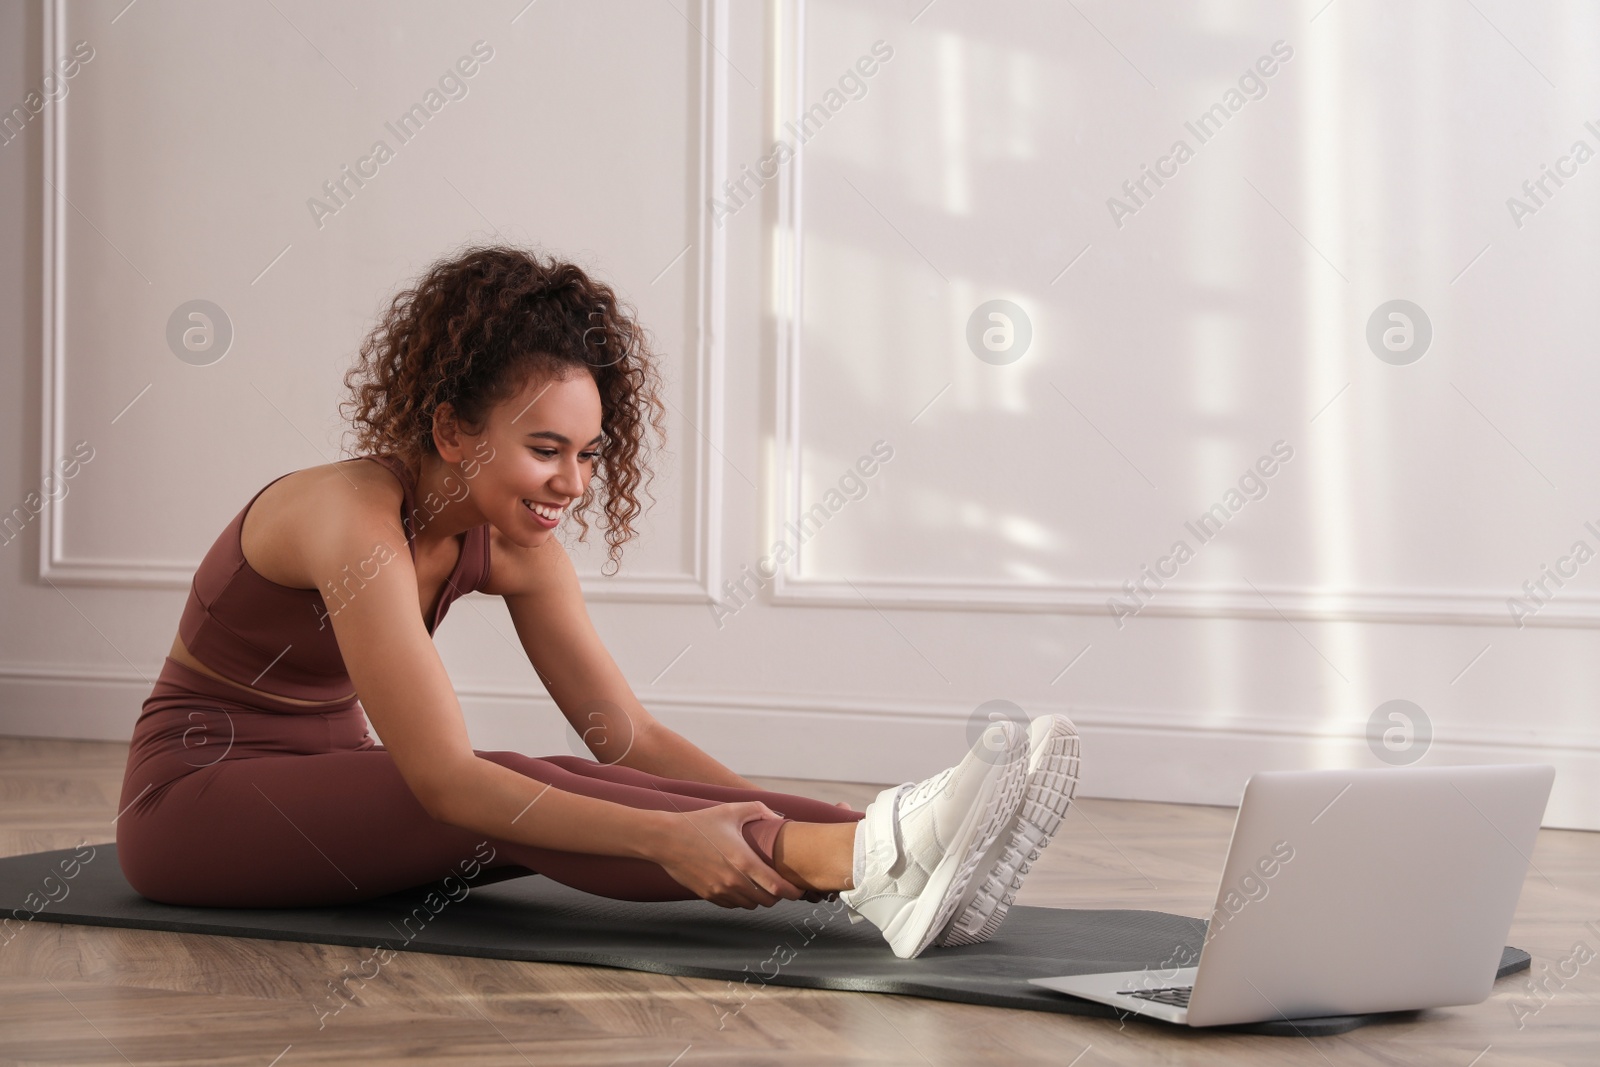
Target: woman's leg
[
  {"x": 816, "y": 854},
  {"x": 813, "y": 845},
  {"x": 340, "y": 827}
]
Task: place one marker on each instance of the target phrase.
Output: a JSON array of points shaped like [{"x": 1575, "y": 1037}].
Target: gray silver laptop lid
[{"x": 1352, "y": 891}]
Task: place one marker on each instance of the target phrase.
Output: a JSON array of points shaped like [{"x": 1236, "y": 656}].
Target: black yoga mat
[{"x": 507, "y": 914}]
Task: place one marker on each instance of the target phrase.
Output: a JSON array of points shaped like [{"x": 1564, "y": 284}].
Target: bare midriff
[{"x": 183, "y": 656}]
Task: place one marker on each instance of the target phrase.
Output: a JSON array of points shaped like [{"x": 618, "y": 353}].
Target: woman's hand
[{"x": 709, "y": 856}]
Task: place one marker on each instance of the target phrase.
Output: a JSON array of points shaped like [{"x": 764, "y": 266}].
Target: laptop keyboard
[{"x": 1174, "y": 996}]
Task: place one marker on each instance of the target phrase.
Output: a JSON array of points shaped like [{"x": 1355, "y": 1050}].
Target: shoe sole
[
  {"x": 959, "y": 865},
  {"x": 1046, "y": 798}
]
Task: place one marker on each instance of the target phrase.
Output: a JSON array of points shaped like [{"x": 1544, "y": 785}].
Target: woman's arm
[
  {"x": 542, "y": 592},
  {"x": 408, "y": 696}
]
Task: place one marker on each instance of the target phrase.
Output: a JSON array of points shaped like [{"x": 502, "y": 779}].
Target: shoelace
[
  {"x": 926, "y": 788},
  {"x": 890, "y": 844}
]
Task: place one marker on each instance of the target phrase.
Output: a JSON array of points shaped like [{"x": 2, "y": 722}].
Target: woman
[{"x": 485, "y": 402}]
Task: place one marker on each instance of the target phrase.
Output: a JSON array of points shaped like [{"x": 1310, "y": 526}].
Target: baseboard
[{"x": 1128, "y": 755}]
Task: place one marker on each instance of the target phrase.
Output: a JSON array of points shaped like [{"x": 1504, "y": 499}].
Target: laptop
[{"x": 1350, "y": 891}]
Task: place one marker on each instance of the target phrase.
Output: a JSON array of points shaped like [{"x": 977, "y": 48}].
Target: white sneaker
[
  {"x": 919, "y": 845},
  {"x": 1052, "y": 778}
]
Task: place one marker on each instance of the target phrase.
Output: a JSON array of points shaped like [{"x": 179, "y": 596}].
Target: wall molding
[
  {"x": 789, "y": 286},
  {"x": 707, "y": 343},
  {"x": 1130, "y": 753},
  {"x": 902, "y": 710},
  {"x": 1451, "y": 607},
  {"x": 1276, "y": 603}
]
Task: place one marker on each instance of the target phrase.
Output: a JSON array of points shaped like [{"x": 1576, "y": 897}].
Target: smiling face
[{"x": 536, "y": 453}]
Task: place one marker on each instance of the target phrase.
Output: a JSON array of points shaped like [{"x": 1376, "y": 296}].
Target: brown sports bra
[{"x": 279, "y": 639}]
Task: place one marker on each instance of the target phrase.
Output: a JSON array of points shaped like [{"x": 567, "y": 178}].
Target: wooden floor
[{"x": 103, "y": 996}]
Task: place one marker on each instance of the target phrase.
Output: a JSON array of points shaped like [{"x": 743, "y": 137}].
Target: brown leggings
[{"x": 269, "y": 805}]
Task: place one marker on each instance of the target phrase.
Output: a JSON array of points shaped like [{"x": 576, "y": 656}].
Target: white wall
[{"x": 825, "y": 308}]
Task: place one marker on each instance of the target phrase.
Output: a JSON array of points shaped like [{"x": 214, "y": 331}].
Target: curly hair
[{"x": 473, "y": 330}]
